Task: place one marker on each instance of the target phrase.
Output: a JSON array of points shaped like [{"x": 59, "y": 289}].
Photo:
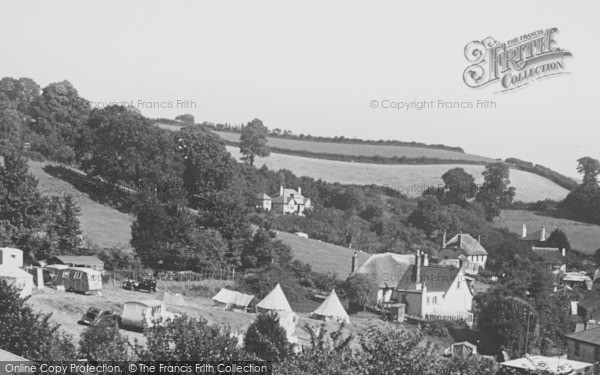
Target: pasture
[
  {"x": 410, "y": 180},
  {"x": 582, "y": 236}
]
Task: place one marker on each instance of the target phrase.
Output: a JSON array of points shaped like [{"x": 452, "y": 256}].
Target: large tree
[
  {"x": 253, "y": 141},
  {"x": 589, "y": 168},
  {"x": 459, "y": 187},
  {"x": 495, "y": 193}
]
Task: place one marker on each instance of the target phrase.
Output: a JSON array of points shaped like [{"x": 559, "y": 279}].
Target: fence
[{"x": 222, "y": 274}]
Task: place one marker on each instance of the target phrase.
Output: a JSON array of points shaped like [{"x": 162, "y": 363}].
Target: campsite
[{"x": 67, "y": 309}]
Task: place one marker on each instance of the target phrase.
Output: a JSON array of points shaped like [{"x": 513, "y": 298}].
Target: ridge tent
[
  {"x": 331, "y": 310},
  {"x": 231, "y": 299},
  {"x": 274, "y": 301}
]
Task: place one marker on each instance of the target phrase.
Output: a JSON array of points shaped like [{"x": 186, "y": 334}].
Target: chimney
[
  {"x": 281, "y": 190},
  {"x": 425, "y": 260},
  {"x": 299, "y": 191},
  {"x": 479, "y": 238},
  {"x": 459, "y": 241},
  {"x": 524, "y": 231},
  {"x": 418, "y": 265},
  {"x": 564, "y": 253},
  {"x": 354, "y": 262},
  {"x": 543, "y": 235},
  {"x": 444, "y": 240}
]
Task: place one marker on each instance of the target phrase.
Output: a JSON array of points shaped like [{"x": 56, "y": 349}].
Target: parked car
[
  {"x": 95, "y": 316},
  {"x": 148, "y": 285}
]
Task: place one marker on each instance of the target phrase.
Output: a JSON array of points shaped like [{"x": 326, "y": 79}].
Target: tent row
[{"x": 330, "y": 310}]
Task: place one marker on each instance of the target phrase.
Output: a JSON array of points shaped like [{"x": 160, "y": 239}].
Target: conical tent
[
  {"x": 331, "y": 309},
  {"x": 275, "y": 301}
]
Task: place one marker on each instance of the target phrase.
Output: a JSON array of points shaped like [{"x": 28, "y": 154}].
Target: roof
[
  {"x": 332, "y": 307},
  {"x": 577, "y": 277},
  {"x": 289, "y": 195},
  {"x": 535, "y": 236},
  {"x": 275, "y": 300},
  {"x": 591, "y": 335},
  {"x": 436, "y": 278},
  {"x": 554, "y": 365},
  {"x": 147, "y": 302},
  {"x": 262, "y": 196},
  {"x": 79, "y": 259},
  {"x": 233, "y": 297},
  {"x": 10, "y": 249},
  {"x": 466, "y": 243},
  {"x": 13, "y": 271},
  {"x": 549, "y": 254},
  {"x": 590, "y": 303},
  {"x": 386, "y": 268},
  {"x": 10, "y": 357}
]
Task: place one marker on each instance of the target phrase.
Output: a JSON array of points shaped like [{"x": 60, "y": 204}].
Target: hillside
[
  {"x": 322, "y": 257},
  {"x": 582, "y": 236},
  {"x": 411, "y": 180},
  {"x": 101, "y": 224},
  {"x": 350, "y": 149}
]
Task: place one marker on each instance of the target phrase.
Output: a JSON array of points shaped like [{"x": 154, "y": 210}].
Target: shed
[
  {"x": 19, "y": 278},
  {"x": 82, "y": 261}
]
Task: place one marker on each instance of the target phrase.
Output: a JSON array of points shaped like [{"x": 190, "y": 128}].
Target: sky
[{"x": 316, "y": 67}]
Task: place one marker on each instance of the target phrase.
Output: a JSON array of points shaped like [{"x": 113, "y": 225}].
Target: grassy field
[
  {"x": 323, "y": 257},
  {"x": 68, "y": 308},
  {"x": 101, "y": 224},
  {"x": 360, "y": 149},
  {"x": 411, "y": 180},
  {"x": 582, "y": 236}
]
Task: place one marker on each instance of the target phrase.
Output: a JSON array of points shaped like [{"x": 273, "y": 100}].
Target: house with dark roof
[
  {"x": 289, "y": 201},
  {"x": 83, "y": 261},
  {"x": 386, "y": 269},
  {"x": 584, "y": 345},
  {"x": 463, "y": 244},
  {"x": 553, "y": 258},
  {"x": 534, "y": 238},
  {"x": 435, "y": 292}
]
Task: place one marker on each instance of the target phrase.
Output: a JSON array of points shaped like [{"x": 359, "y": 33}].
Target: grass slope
[
  {"x": 323, "y": 257},
  {"x": 411, "y": 180},
  {"x": 103, "y": 225},
  {"x": 582, "y": 236}
]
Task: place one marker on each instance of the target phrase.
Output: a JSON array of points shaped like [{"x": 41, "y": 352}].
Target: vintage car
[
  {"x": 95, "y": 316},
  {"x": 148, "y": 285}
]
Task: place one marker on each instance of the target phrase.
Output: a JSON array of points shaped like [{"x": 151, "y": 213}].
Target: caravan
[
  {"x": 75, "y": 279},
  {"x": 140, "y": 314}
]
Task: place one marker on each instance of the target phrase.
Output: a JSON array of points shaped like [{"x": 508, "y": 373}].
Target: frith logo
[{"x": 515, "y": 63}]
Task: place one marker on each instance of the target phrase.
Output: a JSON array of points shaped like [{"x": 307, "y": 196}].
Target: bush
[{"x": 267, "y": 339}]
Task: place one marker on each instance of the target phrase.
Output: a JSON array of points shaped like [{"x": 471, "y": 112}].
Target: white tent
[
  {"x": 275, "y": 301},
  {"x": 22, "y": 280},
  {"x": 332, "y": 310},
  {"x": 230, "y": 299}
]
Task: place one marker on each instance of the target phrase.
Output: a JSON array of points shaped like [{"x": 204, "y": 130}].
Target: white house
[
  {"x": 289, "y": 201},
  {"x": 435, "y": 292},
  {"x": 463, "y": 244}
]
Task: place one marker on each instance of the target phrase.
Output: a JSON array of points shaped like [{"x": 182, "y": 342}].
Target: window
[
  {"x": 65, "y": 274},
  {"x": 577, "y": 349},
  {"x": 597, "y": 359},
  {"x": 77, "y": 275},
  {"x": 428, "y": 300},
  {"x": 435, "y": 300}
]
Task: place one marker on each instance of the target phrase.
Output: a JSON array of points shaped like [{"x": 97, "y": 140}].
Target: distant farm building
[
  {"x": 81, "y": 261},
  {"x": 289, "y": 201}
]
